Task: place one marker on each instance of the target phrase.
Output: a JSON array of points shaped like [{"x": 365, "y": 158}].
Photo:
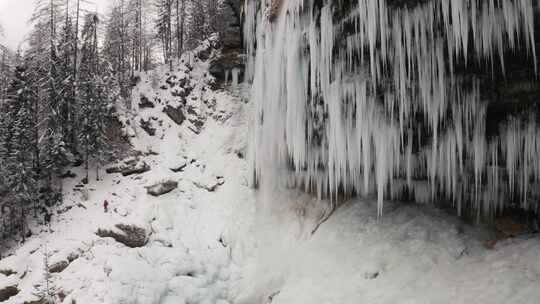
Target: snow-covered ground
[{"x": 215, "y": 240}]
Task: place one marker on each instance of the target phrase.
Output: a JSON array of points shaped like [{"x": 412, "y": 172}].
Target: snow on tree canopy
[{"x": 368, "y": 96}]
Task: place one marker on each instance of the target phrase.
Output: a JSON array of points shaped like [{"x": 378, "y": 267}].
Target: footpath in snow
[{"x": 207, "y": 237}]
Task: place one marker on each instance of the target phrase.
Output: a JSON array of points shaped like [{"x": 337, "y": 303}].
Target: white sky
[{"x": 14, "y": 16}]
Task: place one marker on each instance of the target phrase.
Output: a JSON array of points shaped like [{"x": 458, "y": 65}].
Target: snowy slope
[{"x": 215, "y": 240}]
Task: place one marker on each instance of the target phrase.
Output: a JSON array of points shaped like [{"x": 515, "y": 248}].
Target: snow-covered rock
[
  {"x": 179, "y": 165},
  {"x": 129, "y": 166},
  {"x": 129, "y": 235},
  {"x": 161, "y": 188}
]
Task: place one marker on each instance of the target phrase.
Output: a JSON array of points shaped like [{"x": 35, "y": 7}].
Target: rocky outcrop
[
  {"x": 161, "y": 188},
  {"x": 231, "y": 44},
  {"x": 129, "y": 235}
]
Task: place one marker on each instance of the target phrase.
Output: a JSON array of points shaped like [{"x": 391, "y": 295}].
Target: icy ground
[{"x": 214, "y": 240}]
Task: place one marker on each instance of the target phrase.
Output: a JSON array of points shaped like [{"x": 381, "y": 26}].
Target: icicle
[
  {"x": 338, "y": 109},
  {"x": 235, "y": 72}
]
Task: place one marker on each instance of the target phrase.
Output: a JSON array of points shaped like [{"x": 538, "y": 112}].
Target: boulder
[
  {"x": 180, "y": 166},
  {"x": 129, "y": 166},
  {"x": 140, "y": 168},
  {"x": 210, "y": 184},
  {"x": 8, "y": 292},
  {"x": 175, "y": 114},
  {"x": 129, "y": 235},
  {"x": 113, "y": 169},
  {"x": 161, "y": 188}
]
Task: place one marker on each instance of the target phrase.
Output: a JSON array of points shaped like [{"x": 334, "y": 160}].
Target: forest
[{"x": 60, "y": 91}]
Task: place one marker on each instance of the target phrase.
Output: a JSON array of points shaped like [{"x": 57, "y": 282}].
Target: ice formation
[{"x": 360, "y": 97}]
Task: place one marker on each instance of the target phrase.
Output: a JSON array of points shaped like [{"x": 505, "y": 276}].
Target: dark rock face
[
  {"x": 231, "y": 43},
  {"x": 175, "y": 114},
  {"x": 230, "y": 59},
  {"x": 161, "y": 188},
  {"x": 129, "y": 235}
]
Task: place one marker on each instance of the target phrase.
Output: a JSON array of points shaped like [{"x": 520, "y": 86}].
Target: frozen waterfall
[{"x": 368, "y": 96}]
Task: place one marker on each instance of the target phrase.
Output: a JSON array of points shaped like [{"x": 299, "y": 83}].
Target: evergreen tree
[
  {"x": 66, "y": 92},
  {"x": 16, "y": 139},
  {"x": 95, "y": 93}
]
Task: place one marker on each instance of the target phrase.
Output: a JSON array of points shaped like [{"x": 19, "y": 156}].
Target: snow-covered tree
[
  {"x": 17, "y": 138},
  {"x": 96, "y": 95}
]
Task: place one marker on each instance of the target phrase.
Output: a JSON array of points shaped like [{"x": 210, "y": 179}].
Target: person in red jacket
[{"x": 105, "y": 206}]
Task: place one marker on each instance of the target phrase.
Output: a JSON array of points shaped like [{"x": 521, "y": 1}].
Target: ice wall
[{"x": 361, "y": 97}]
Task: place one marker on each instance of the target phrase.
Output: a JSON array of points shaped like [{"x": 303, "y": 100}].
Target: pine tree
[
  {"x": 43, "y": 64},
  {"x": 66, "y": 92},
  {"x": 164, "y": 28},
  {"x": 18, "y": 159},
  {"x": 93, "y": 94},
  {"x": 46, "y": 291}
]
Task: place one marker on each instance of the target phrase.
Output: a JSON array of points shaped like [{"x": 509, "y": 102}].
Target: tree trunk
[
  {"x": 2, "y": 73},
  {"x": 23, "y": 232},
  {"x": 141, "y": 35},
  {"x": 75, "y": 76}
]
